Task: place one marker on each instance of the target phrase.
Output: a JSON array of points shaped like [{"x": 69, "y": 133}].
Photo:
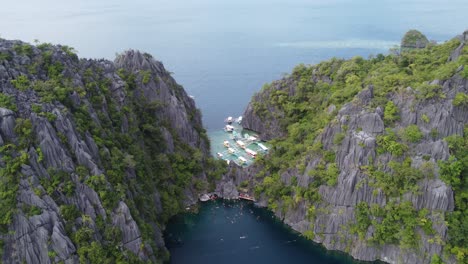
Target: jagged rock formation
[
  {"x": 351, "y": 143},
  {"x": 96, "y": 155},
  {"x": 268, "y": 127}
]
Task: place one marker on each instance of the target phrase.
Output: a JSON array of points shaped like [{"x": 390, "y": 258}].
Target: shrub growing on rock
[
  {"x": 411, "y": 134},
  {"x": 391, "y": 113},
  {"x": 461, "y": 99}
]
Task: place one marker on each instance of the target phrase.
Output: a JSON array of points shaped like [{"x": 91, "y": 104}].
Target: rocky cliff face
[
  {"x": 347, "y": 169},
  {"x": 96, "y": 155}
]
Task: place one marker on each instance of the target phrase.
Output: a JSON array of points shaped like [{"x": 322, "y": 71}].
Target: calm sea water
[
  {"x": 239, "y": 233},
  {"x": 222, "y": 51}
]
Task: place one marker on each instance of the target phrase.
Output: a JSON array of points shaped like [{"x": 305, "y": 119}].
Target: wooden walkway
[{"x": 246, "y": 197}]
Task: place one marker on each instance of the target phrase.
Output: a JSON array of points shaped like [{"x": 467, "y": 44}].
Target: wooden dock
[{"x": 246, "y": 197}]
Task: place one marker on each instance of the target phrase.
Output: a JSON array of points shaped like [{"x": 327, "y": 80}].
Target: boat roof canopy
[{"x": 262, "y": 146}]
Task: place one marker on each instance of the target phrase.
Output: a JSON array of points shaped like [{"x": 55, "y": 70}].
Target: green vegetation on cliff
[
  {"x": 454, "y": 172},
  {"x": 106, "y": 131},
  {"x": 306, "y": 103}
]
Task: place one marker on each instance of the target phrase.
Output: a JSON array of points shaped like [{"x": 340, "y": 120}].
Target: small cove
[{"x": 239, "y": 232}]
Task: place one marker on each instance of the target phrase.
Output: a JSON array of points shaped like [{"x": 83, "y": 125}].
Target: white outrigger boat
[
  {"x": 262, "y": 147},
  {"x": 250, "y": 138},
  {"x": 242, "y": 160},
  {"x": 228, "y": 128},
  {"x": 239, "y": 120},
  {"x": 253, "y": 138},
  {"x": 220, "y": 155},
  {"x": 226, "y": 143},
  {"x": 251, "y": 152},
  {"x": 241, "y": 144},
  {"x": 229, "y": 120},
  {"x": 231, "y": 150}
]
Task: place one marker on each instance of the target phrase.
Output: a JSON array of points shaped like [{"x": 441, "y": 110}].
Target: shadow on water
[{"x": 238, "y": 232}]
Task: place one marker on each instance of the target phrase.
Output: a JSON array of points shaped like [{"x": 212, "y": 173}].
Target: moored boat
[
  {"x": 226, "y": 143},
  {"x": 251, "y": 152},
  {"x": 228, "y": 120},
  {"x": 262, "y": 147},
  {"x": 228, "y": 128},
  {"x": 220, "y": 155},
  {"x": 241, "y": 144},
  {"x": 242, "y": 160},
  {"x": 205, "y": 197}
]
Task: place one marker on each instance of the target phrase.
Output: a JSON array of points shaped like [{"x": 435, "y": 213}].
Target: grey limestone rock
[
  {"x": 7, "y": 123},
  {"x": 131, "y": 236},
  {"x": 361, "y": 123},
  {"x": 61, "y": 147}
]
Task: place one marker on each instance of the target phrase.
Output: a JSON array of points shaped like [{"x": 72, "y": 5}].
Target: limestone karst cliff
[
  {"x": 95, "y": 155},
  {"x": 369, "y": 156}
]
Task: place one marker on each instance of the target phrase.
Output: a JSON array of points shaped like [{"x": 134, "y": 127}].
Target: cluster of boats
[
  {"x": 229, "y": 127},
  {"x": 240, "y": 146}
]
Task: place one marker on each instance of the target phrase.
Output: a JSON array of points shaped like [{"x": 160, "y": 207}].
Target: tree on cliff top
[{"x": 414, "y": 39}]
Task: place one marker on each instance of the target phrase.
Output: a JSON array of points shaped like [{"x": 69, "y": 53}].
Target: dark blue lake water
[
  {"x": 223, "y": 51},
  {"x": 239, "y": 233}
]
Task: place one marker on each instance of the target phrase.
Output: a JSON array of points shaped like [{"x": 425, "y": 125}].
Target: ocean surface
[
  {"x": 237, "y": 232},
  {"x": 223, "y": 51}
]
